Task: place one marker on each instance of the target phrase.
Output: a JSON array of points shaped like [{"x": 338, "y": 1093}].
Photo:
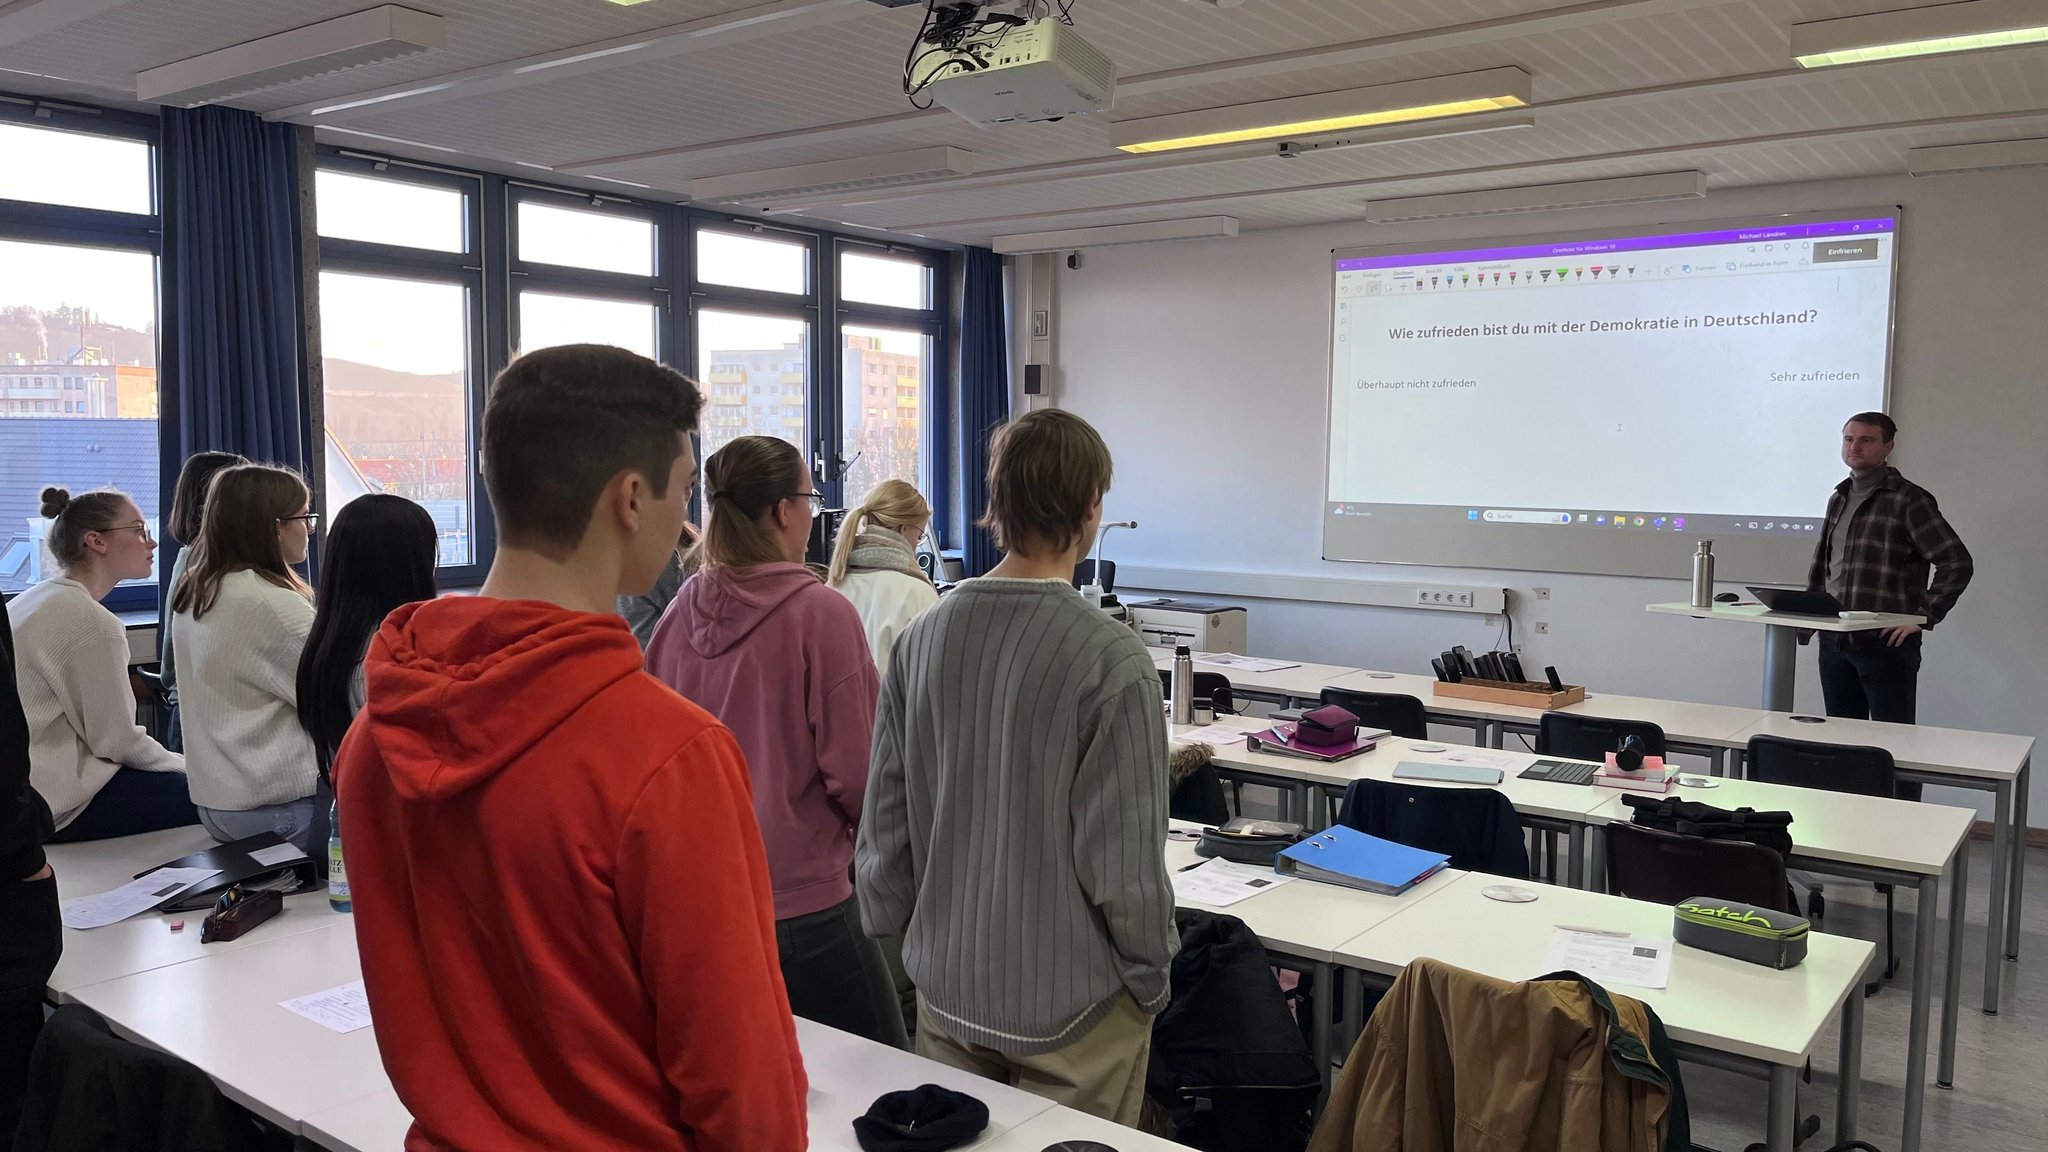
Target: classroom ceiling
[{"x": 664, "y": 92}]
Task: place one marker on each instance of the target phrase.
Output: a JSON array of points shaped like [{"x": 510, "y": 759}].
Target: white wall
[{"x": 1204, "y": 365}]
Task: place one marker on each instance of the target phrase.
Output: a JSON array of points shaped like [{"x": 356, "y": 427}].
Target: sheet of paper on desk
[
  {"x": 277, "y": 855},
  {"x": 1486, "y": 758},
  {"x": 1215, "y": 735},
  {"x": 1220, "y": 883},
  {"x": 1612, "y": 958},
  {"x": 1243, "y": 663},
  {"x": 345, "y": 1009},
  {"x": 139, "y": 895}
]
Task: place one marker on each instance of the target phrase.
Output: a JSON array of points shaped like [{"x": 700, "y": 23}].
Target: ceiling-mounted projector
[{"x": 1041, "y": 70}]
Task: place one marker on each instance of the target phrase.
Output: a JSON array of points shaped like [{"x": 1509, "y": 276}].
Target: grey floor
[{"x": 2000, "y": 1098}]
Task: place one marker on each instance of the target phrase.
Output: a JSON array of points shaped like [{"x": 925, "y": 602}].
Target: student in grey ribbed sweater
[{"x": 1015, "y": 823}]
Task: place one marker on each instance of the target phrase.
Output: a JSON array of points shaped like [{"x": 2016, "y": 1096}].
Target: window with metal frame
[{"x": 79, "y": 241}]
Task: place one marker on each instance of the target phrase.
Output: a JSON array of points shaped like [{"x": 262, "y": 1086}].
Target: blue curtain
[
  {"x": 984, "y": 396},
  {"x": 233, "y": 310}
]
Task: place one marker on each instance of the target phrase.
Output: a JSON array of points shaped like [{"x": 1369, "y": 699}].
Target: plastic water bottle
[
  {"x": 1183, "y": 710},
  {"x": 1703, "y": 576},
  {"x": 337, "y": 877}
]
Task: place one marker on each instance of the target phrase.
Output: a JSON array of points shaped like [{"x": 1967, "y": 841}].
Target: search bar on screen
[{"x": 1520, "y": 516}]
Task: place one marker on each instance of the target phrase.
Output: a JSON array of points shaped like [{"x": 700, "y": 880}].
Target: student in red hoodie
[
  {"x": 560, "y": 895},
  {"x": 769, "y": 648}
]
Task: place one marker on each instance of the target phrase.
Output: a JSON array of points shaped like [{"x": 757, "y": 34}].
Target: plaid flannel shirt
[{"x": 1897, "y": 536}]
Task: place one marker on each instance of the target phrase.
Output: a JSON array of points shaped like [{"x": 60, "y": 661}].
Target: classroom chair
[
  {"x": 1084, "y": 574},
  {"x": 1666, "y": 868},
  {"x": 1397, "y": 712},
  {"x": 1575, "y": 737},
  {"x": 1848, "y": 768},
  {"x": 1476, "y": 827}
]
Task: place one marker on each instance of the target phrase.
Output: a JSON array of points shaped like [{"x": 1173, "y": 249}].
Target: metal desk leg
[
  {"x": 1994, "y": 915},
  {"x": 1849, "y": 1093},
  {"x": 2018, "y": 872},
  {"x": 1952, "y": 990},
  {"x": 1319, "y": 1031},
  {"x": 1718, "y": 762},
  {"x": 1923, "y": 997},
  {"x": 1354, "y": 1009},
  {"x": 1783, "y": 1113},
  {"x": 1781, "y": 661},
  {"x": 1596, "y": 859},
  {"x": 1575, "y": 847}
]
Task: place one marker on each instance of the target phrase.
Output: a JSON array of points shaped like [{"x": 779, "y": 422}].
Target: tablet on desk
[{"x": 1797, "y": 601}]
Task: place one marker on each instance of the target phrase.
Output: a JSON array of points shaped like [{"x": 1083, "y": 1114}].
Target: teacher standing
[{"x": 1885, "y": 548}]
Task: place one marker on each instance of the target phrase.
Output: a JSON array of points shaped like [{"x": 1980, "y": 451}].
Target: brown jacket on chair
[{"x": 1453, "y": 1061}]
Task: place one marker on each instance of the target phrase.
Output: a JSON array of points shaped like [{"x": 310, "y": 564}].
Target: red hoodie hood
[
  {"x": 447, "y": 722},
  {"x": 718, "y": 607}
]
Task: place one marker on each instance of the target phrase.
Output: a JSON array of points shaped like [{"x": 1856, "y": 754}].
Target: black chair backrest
[
  {"x": 1834, "y": 767},
  {"x": 1577, "y": 737},
  {"x": 1476, "y": 827},
  {"x": 1665, "y": 868},
  {"x": 1211, "y": 686},
  {"x": 1401, "y": 714},
  {"x": 1200, "y": 798},
  {"x": 1084, "y": 574}
]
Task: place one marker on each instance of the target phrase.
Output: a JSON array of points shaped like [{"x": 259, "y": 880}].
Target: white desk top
[
  {"x": 220, "y": 1013},
  {"x": 146, "y": 942},
  {"x": 1873, "y": 830},
  {"x": 1530, "y": 797},
  {"x": 1758, "y": 614},
  {"x": 1303, "y": 680},
  {"x": 1951, "y": 751},
  {"x": 1059, "y": 1125},
  {"x": 1714, "y": 1001},
  {"x": 375, "y": 1123},
  {"x": 1306, "y": 918},
  {"x": 846, "y": 1072}
]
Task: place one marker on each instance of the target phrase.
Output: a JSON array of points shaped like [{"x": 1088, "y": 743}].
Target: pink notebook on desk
[{"x": 1279, "y": 742}]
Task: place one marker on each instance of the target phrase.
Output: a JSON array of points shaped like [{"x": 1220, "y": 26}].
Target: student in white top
[
  {"x": 874, "y": 564},
  {"x": 241, "y": 616},
  {"x": 101, "y": 774}
]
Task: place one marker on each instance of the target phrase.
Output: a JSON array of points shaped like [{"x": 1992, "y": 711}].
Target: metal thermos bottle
[
  {"x": 1703, "y": 575},
  {"x": 1183, "y": 710}
]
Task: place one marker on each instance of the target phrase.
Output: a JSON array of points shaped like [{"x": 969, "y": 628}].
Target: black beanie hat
[{"x": 924, "y": 1119}]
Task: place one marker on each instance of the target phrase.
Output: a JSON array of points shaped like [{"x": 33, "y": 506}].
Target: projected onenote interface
[{"x": 1690, "y": 383}]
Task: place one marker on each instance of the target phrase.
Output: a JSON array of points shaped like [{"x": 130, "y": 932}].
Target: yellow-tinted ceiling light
[
  {"x": 1297, "y": 117},
  {"x": 1931, "y": 31}
]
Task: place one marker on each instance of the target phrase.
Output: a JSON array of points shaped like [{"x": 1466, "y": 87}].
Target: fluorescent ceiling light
[
  {"x": 337, "y": 45},
  {"x": 1198, "y": 228},
  {"x": 833, "y": 176},
  {"x": 1920, "y": 32},
  {"x": 1326, "y": 112},
  {"x": 1994, "y": 156},
  {"x": 1541, "y": 197}
]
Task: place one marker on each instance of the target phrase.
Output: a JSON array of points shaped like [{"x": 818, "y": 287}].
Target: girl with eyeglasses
[
  {"x": 761, "y": 643},
  {"x": 102, "y": 775},
  {"x": 241, "y": 615}
]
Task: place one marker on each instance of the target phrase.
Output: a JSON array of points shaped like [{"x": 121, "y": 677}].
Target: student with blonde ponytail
[
  {"x": 760, "y": 642},
  {"x": 875, "y": 564},
  {"x": 102, "y": 775}
]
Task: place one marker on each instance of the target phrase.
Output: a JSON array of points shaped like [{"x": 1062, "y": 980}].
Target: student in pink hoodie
[{"x": 759, "y": 641}]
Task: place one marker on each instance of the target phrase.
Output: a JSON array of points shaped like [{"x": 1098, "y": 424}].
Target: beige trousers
[{"x": 1102, "y": 1073}]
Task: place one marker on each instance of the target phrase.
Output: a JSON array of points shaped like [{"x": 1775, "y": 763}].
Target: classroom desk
[
  {"x": 847, "y": 1073},
  {"x": 1308, "y": 922},
  {"x": 1718, "y": 1010},
  {"x": 1875, "y": 838},
  {"x": 1058, "y": 1127},
  {"x": 1297, "y": 682},
  {"x": 146, "y": 942},
  {"x": 220, "y": 1013},
  {"x": 1991, "y": 762},
  {"x": 1552, "y": 807},
  {"x": 1781, "y": 637}
]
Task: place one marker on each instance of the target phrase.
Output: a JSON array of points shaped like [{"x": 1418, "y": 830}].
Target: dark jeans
[
  {"x": 1864, "y": 678},
  {"x": 132, "y": 802},
  {"x": 835, "y": 975},
  {"x": 29, "y": 947}
]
